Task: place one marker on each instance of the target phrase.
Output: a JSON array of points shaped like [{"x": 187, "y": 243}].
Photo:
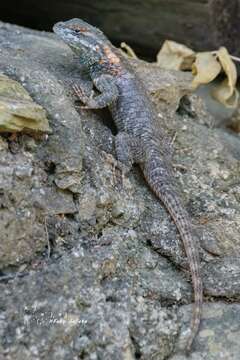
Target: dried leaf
[
  {"x": 128, "y": 50},
  {"x": 226, "y": 93},
  {"x": 205, "y": 68},
  {"x": 175, "y": 56}
]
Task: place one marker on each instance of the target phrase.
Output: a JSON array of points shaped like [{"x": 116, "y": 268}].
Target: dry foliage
[
  {"x": 174, "y": 56},
  {"x": 205, "y": 67}
]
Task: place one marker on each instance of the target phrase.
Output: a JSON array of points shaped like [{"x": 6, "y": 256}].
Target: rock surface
[{"x": 92, "y": 267}]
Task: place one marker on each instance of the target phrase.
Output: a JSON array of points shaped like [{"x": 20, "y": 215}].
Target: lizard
[{"x": 139, "y": 139}]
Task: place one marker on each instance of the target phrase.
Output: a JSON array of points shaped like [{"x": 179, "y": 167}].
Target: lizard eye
[{"x": 78, "y": 30}]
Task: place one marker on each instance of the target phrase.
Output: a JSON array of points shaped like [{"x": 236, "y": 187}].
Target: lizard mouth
[{"x": 58, "y": 26}]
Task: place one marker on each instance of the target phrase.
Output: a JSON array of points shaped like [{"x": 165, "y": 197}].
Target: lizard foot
[
  {"x": 82, "y": 95},
  {"x": 119, "y": 170}
]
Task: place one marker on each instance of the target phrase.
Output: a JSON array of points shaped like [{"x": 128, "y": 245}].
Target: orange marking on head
[{"x": 113, "y": 59}]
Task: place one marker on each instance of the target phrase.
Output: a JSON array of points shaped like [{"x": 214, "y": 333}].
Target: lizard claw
[
  {"x": 82, "y": 96},
  {"x": 78, "y": 91}
]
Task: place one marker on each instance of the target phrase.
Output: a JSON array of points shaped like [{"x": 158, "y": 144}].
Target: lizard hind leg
[{"x": 127, "y": 151}]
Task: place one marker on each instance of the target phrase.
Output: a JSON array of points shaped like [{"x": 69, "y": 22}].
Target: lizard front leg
[{"x": 108, "y": 93}]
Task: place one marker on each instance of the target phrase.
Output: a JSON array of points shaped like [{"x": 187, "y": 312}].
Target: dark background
[{"x": 143, "y": 24}]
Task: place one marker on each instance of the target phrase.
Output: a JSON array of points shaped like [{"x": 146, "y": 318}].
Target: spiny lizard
[{"x": 139, "y": 139}]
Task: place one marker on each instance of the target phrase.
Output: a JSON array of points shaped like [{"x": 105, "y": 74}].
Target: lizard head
[{"x": 84, "y": 39}]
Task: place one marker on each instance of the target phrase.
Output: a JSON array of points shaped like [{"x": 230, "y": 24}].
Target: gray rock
[
  {"x": 101, "y": 271},
  {"x": 221, "y": 277},
  {"x": 218, "y": 337},
  {"x": 92, "y": 301}
]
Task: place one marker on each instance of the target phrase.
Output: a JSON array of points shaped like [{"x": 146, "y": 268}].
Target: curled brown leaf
[
  {"x": 175, "y": 56},
  {"x": 226, "y": 93},
  {"x": 205, "y": 68}
]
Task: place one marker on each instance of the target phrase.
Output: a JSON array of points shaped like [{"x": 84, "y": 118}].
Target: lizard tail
[{"x": 169, "y": 197}]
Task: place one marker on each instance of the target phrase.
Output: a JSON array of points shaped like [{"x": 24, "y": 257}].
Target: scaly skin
[{"x": 139, "y": 139}]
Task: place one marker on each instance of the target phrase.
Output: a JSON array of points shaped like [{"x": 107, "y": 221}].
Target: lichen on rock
[{"x": 18, "y": 112}]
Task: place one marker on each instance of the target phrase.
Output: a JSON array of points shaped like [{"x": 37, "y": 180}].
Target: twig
[
  {"x": 47, "y": 235},
  {"x": 128, "y": 50},
  {"x": 235, "y": 58},
  {"x": 13, "y": 276},
  {"x": 174, "y": 138}
]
